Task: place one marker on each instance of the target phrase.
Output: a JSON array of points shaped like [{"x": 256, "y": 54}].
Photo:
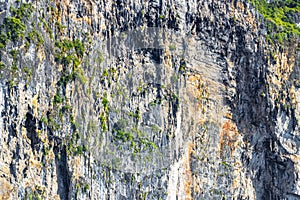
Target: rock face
[{"x": 132, "y": 99}]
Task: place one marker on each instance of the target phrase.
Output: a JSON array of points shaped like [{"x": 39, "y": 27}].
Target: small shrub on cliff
[
  {"x": 2, "y": 66},
  {"x": 14, "y": 26},
  {"x": 15, "y": 29},
  {"x": 105, "y": 103},
  {"x": 58, "y": 99},
  {"x": 23, "y": 12}
]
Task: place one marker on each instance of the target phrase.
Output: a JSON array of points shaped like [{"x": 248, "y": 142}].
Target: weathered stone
[{"x": 148, "y": 100}]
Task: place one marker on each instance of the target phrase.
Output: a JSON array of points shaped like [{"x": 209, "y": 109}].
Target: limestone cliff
[{"x": 148, "y": 99}]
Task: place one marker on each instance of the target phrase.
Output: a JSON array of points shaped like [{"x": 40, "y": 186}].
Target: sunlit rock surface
[{"x": 146, "y": 99}]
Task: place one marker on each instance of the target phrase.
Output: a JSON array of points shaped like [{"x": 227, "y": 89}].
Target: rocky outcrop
[{"x": 146, "y": 100}]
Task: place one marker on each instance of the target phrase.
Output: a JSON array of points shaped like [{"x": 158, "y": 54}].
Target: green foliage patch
[
  {"x": 14, "y": 26},
  {"x": 136, "y": 138},
  {"x": 280, "y": 18},
  {"x": 15, "y": 29},
  {"x": 23, "y": 12}
]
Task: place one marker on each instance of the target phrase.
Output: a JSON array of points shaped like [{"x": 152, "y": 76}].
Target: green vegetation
[
  {"x": 35, "y": 37},
  {"x": 23, "y": 12},
  {"x": 124, "y": 136},
  {"x": 155, "y": 128},
  {"x": 263, "y": 94},
  {"x": 162, "y": 17},
  {"x": 136, "y": 114},
  {"x": 14, "y": 68},
  {"x": 13, "y": 53},
  {"x": 105, "y": 104},
  {"x": 3, "y": 40},
  {"x": 58, "y": 99},
  {"x": 60, "y": 28},
  {"x": 69, "y": 52},
  {"x": 103, "y": 122},
  {"x": 182, "y": 67},
  {"x": 47, "y": 150},
  {"x": 73, "y": 147},
  {"x": 33, "y": 195},
  {"x": 55, "y": 126},
  {"x": 2, "y": 66},
  {"x": 225, "y": 165},
  {"x": 64, "y": 79},
  {"x": 143, "y": 196},
  {"x": 85, "y": 188},
  {"x": 66, "y": 108},
  {"x": 105, "y": 73},
  {"x": 44, "y": 120},
  {"x": 46, "y": 27},
  {"x": 172, "y": 47},
  {"x": 279, "y": 16},
  {"x": 137, "y": 139},
  {"x": 79, "y": 150},
  {"x": 79, "y": 74},
  {"x": 27, "y": 71},
  {"x": 13, "y": 27},
  {"x": 79, "y": 48},
  {"x": 16, "y": 35}
]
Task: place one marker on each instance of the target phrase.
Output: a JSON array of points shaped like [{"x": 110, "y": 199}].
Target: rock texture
[{"x": 146, "y": 99}]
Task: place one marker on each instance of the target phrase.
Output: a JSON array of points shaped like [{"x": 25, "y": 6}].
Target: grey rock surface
[{"x": 146, "y": 99}]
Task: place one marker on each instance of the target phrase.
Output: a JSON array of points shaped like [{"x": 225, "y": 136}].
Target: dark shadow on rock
[
  {"x": 30, "y": 125},
  {"x": 62, "y": 174},
  {"x": 274, "y": 174}
]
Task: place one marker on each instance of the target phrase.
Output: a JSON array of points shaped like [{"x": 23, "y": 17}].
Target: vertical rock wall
[{"x": 145, "y": 100}]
